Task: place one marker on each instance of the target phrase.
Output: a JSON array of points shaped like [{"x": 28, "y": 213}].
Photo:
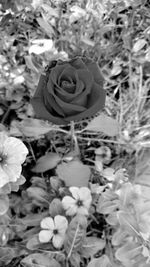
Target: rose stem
[{"x": 74, "y": 141}]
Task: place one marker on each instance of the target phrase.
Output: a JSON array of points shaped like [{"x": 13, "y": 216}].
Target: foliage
[{"x": 107, "y": 154}]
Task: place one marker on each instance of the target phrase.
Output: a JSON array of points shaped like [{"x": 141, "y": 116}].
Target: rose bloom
[
  {"x": 69, "y": 91},
  {"x": 54, "y": 229},
  {"x": 12, "y": 154},
  {"x": 79, "y": 203}
]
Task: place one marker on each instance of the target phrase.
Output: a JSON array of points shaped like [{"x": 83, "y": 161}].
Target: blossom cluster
[{"x": 55, "y": 229}]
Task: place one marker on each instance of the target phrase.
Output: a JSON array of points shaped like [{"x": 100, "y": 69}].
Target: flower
[
  {"x": 80, "y": 202},
  {"x": 53, "y": 229},
  {"x": 12, "y": 154},
  {"x": 69, "y": 91}
]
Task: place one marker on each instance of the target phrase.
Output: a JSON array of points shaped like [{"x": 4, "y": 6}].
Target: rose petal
[
  {"x": 78, "y": 63},
  {"x": 96, "y": 103},
  {"x": 51, "y": 104},
  {"x": 47, "y": 223},
  {"x": 68, "y": 108},
  {"x": 68, "y": 72},
  {"x": 45, "y": 236},
  {"x": 58, "y": 241},
  {"x": 67, "y": 97},
  {"x": 56, "y": 72}
]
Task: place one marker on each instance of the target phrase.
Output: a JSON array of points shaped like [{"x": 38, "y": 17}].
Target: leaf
[
  {"x": 103, "y": 124},
  {"x": 139, "y": 45},
  {"x": 47, "y": 162},
  {"x": 100, "y": 262},
  {"x": 56, "y": 207},
  {"x": 143, "y": 168},
  {"x": 92, "y": 245},
  {"x": 74, "y": 173},
  {"x": 34, "y": 127},
  {"x": 39, "y": 260},
  {"x": 6, "y": 255},
  {"x": 37, "y": 193},
  {"x": 33, "y": 243},
  {"x": 4, "y": 204},
  {"x": 75, "y": 235},
  {"x": 128, "y": 252}
]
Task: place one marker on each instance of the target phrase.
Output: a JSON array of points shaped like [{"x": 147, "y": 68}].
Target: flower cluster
[{"x": 55, "y": 229}]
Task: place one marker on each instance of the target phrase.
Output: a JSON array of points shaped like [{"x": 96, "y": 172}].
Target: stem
[{"x": 74, "y": 141}]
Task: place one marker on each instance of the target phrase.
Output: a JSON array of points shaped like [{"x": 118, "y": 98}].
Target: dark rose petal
[
  {"x": 96, "y": 103},
  {"x": 56, "y": 72},
  {"x": 87, "y": 78},
  {"x": 68, "y": 72},
  {"x": 50, "y": 104},
  {"x": 69, "y": 91},
  {"x": 38, "y": 104},
  {"x": 78, "y": 63},
  {"x": 67, "y": 97},
  {"x": 69, "y": 108}
]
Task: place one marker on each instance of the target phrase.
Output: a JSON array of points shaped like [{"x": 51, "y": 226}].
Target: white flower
[
  {"x": 12, "y": 154},
  {"x": 80, "y": 202},
  {"x": 54, "y": 229}
]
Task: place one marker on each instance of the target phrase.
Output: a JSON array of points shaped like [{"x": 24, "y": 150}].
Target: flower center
[
  {"x": 79, "y": 203},
  {"x": 55, "y": 231},
  {"x": 3, "y": 158}
]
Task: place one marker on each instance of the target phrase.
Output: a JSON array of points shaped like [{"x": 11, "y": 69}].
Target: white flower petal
[
  {"x": 82, "y": 210},
  {"x": 72, "y": 210},
  {"x": 15, "y": 149},
  {"x": 87, "y": 203},
  {"x": 61, "y": 223},
  {"x": 12, "y": 171},
  {"x": 47, "y": 223},
  {"x": 67, "y": 202},
  {"x": 45, "y": 236},
  {"x": 84, "y": 193},
  {"x": 75, "y": 191},
  {"x": 4, "y": 178},
  {"x": 58, "y": 241}
]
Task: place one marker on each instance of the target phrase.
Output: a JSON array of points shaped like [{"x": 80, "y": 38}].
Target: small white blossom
[
  {"x": 12, "y": 154},
  {"x": 79, "y": 203},
  {"x": 54, "y": 229}
]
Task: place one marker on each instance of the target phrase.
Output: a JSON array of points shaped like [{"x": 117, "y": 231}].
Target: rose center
[
  {"x": 79, "y": 203},
  {"x": 68, "y": 86}
]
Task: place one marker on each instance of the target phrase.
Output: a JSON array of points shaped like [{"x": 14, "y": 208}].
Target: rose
[{"x": 69, "y": 91}]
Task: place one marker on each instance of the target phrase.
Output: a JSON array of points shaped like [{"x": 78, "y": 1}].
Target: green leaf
[
  {"x": 75, "y": 235},
  {"x": 39, "y": 260},
  {"x": 92, "y": 245},
  {"x": 37, "y": 193},
  {"x": 74, "y": 173},
  {"x": 34, "y": 127},
  {"x": 33, "y": 243},
  {"x": 4, "y": 204},
  {"x": 100, "y": 262},
  {"x": 104, "y": 124},
  {"x": 47, "y": 162}
]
